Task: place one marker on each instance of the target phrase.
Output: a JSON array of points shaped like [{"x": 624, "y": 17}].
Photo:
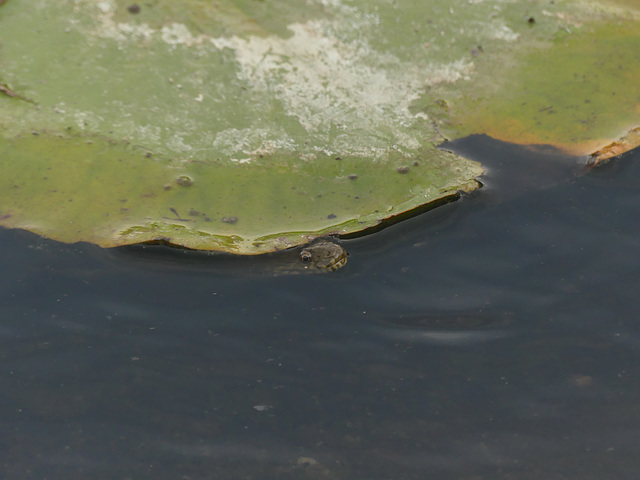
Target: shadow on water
[{"x": 491, "y": 338}]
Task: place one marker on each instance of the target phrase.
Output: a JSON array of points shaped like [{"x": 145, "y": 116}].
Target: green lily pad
[
  {"x": 248, "y": 126},
  {"x": 114, "y": 194},
  {"x": 577, "y": 94}
]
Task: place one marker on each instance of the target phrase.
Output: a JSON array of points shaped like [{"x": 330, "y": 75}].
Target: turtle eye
[{"x": 305, "y": 256}]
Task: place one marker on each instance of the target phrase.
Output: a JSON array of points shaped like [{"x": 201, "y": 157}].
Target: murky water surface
[{"x": 492, "y": 338}]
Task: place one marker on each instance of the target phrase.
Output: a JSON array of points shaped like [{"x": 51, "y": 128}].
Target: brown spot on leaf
[
  {"x": 7, "y": 91},
  {"x": 178, "y": 217}
]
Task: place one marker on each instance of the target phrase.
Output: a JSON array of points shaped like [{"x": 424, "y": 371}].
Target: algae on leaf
[{"x": 249, "y": 127}]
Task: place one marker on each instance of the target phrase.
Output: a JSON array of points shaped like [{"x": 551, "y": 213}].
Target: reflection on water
[{"x": 492, "y": 338}]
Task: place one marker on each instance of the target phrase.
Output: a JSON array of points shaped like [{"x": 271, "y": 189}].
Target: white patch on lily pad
[
  {"x": 344, "y": 90},
  {"x": 347, "y": 97}
]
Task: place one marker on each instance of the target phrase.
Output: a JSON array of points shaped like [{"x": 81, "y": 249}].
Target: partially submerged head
[{"x": 323, "y": 254}]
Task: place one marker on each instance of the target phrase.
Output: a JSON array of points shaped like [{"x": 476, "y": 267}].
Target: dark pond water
[{"x": 492, "y": 338}]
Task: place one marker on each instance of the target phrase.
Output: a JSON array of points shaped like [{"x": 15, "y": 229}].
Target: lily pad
[
  {"x": 248, "y": 127},
  {"x": 578, "y": 93}
]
